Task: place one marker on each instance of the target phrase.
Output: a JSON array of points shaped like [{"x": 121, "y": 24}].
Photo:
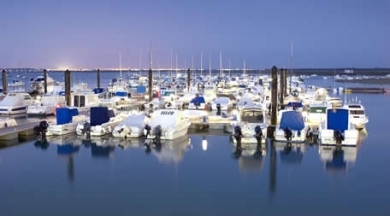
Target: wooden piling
[
  {"x": 98, "y": 78},
  {"x": 274, "y": 101},
  {"x": 5, "y": 85},
  {"x": 67, "y": 88},
  {"x": 188, "y": 79},
  {"x": 150, "y": 80},
  {"x": 45, "y": 81},
  {"x": 281, "y": 87}
]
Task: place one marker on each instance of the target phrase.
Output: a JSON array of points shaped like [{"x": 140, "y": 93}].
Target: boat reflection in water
[
  {"x": 250, "y": 156},
  {"x": 101, "y": 147},
  {"x": 337, "y": 159},
  {"x": 66, "y": 148},
  {"x": 290, "y": 153},
  {"x": 169, "y": 151}
]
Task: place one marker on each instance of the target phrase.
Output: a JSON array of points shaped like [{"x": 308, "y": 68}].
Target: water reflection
[
  {"x": 66, "y": 148},
  {"x": 338, "y": 158},
  {"x": 290, "y": 153},
  {"x": 101, "y": 147},
  {"x": 170, "y": 151},
  {"x": 250, "y": 156}
]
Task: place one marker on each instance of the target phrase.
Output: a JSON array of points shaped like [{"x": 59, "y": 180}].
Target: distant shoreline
[{"x": 303, "y": 71}]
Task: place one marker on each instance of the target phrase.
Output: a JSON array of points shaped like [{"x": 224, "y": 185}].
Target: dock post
[
  {"x": 188, "y": 79},
  {"x": 281, "y": 90},
  {"x": 4, "y": 77},
  {"x": 274, "y": 101},
  {"x": 67, "y": 88},
  {"x": 45, "y": 81},
  {"x": 98, "y": 78},
  {"x": 150, "y": 81}
]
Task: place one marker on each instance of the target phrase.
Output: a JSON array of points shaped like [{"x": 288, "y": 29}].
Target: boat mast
[
  {"x": 220, "y": 63},
  {"x": 291, "y": 63},
  {"x": 201, "y": 64},
  {"x": 244, "y": 66},
  {"x": 171, "y": 63},
  {"x": 210, "y": 65},
  {"x": 229, "y": 66},
  {"x": 120, "y": 65},
  {"x": 140, "y": 61}
]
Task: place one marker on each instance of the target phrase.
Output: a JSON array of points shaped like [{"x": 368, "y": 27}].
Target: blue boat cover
[
  {"x": 296, "y": 104},
  {"x": 141, "y": 89},
  {"x": 98, "y": 90},
  {"x": 292, "y": 120},
  {"x": 100, "y": 115},
  {"x": 67, "y": 149},
  {"x": 198, "y": 100},
  {"x": 338, "y": 119},
  {"x": 121, "y": 94},
  {"x": 64, "y": 114},
  {"x": 241, "y": 86}
]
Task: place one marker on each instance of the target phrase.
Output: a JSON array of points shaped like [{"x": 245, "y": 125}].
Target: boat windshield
[
  {"x": 356, "y": 112},
  {"x": 252, "y": 116},
  {"x": 317, "y": 109}
]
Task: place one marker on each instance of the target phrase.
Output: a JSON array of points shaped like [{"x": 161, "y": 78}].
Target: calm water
[{"x": 182, "y": 178}]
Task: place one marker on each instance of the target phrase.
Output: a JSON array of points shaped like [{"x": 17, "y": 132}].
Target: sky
[{"x": 95, "y": 33}]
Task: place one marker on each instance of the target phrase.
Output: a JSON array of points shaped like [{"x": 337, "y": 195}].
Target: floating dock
[{"x": 367, "y": 90}]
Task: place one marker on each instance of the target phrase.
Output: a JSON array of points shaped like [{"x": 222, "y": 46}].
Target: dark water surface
[{"x": 185, "y": 179}]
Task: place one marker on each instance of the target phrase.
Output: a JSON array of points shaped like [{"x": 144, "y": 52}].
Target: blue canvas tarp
[
  {"x": 64, "y": 115},
  {"x": 292, "y": 120},
  {"x": 100, "y": 115},
  {"x": 121, "y": 94},
  {"x": 141, "y": 89},
  {"x": 295, "y": 104},
  {"x": 337, "y": 119},
  {"x": 198, "y": 100},
  {"x": 98, "y": 90}
]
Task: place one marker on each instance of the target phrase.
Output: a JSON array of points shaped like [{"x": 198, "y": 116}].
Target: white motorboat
[
  {"x": 222, "y": 104},
  {"x": 39, "y": 82},
  {"x": 251, "y": 125},
  {"x": 131, "y": 127},
  {"x": 67, "y": 119},
  {"x": 337, "y": 129},
  {"x": 357, "y": 115},
  {"x": 102, "y": 121},
  {"x": 15, "y": 103},
  {"x": 167, "y": 124},
  {"x": 84, "y": 100},
  {"x": 316, "y": 114},
  {"x": 46, "y": 106},
  {"x": 292, "y": 127}
]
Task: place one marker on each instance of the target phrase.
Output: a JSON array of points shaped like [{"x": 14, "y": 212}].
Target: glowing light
[{"x": 204, "y": 144}]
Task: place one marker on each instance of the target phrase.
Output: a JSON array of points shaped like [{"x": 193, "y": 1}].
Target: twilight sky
[{"x": 92, "y": 33}]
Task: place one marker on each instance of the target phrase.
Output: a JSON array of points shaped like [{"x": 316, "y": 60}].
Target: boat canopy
[
  {"x": 222, "y": 100},
  {"x": 64, "y": 115},
  {"x": 295, "y": 104},
  {"x": 292, "y": 120},
  {"x": 166, "y": 118},
  {"x": 338, "y": 119},
  {"x": 198, "y": 100},
  {"x": 134, "y": 120},
  {"x": 100, "y": 115}
]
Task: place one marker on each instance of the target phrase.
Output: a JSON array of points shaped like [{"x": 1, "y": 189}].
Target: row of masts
[{"x": 201, "y": 63}]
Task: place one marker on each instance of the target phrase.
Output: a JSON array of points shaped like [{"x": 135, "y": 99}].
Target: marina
[{"x": 235, "y": 151}]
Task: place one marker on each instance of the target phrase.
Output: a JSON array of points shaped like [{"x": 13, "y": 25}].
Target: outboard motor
[
  {"x": 338, "y": 136},
  {"x": 258, "y": 134},
  {"x": 238, "y": 135},
  {"x": 157, "y": 131},
  {"x": 40, "y": 130},
  {"x": 86, "y": 129},
  {"x": 288, "y": 134},
  {"x": 218, "y": 109},
  {"x": 147, "y": 130}
]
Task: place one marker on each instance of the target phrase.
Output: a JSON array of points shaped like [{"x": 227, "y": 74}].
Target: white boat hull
[
  {"x": 128, "y": 131},
  {"x": 59, "y": 130},
  {"x": 296, "y": 138},
  {"x": 6, "y": 110},
  {"x": 326, "y": 137},
  {"x": 170, "y": 134},
  {"x": 99, "y": 130},
  {"x": 40, "y": 110}
]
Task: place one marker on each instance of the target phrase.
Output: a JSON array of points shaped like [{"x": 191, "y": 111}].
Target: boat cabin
[{"x": 252, "y": 115}]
